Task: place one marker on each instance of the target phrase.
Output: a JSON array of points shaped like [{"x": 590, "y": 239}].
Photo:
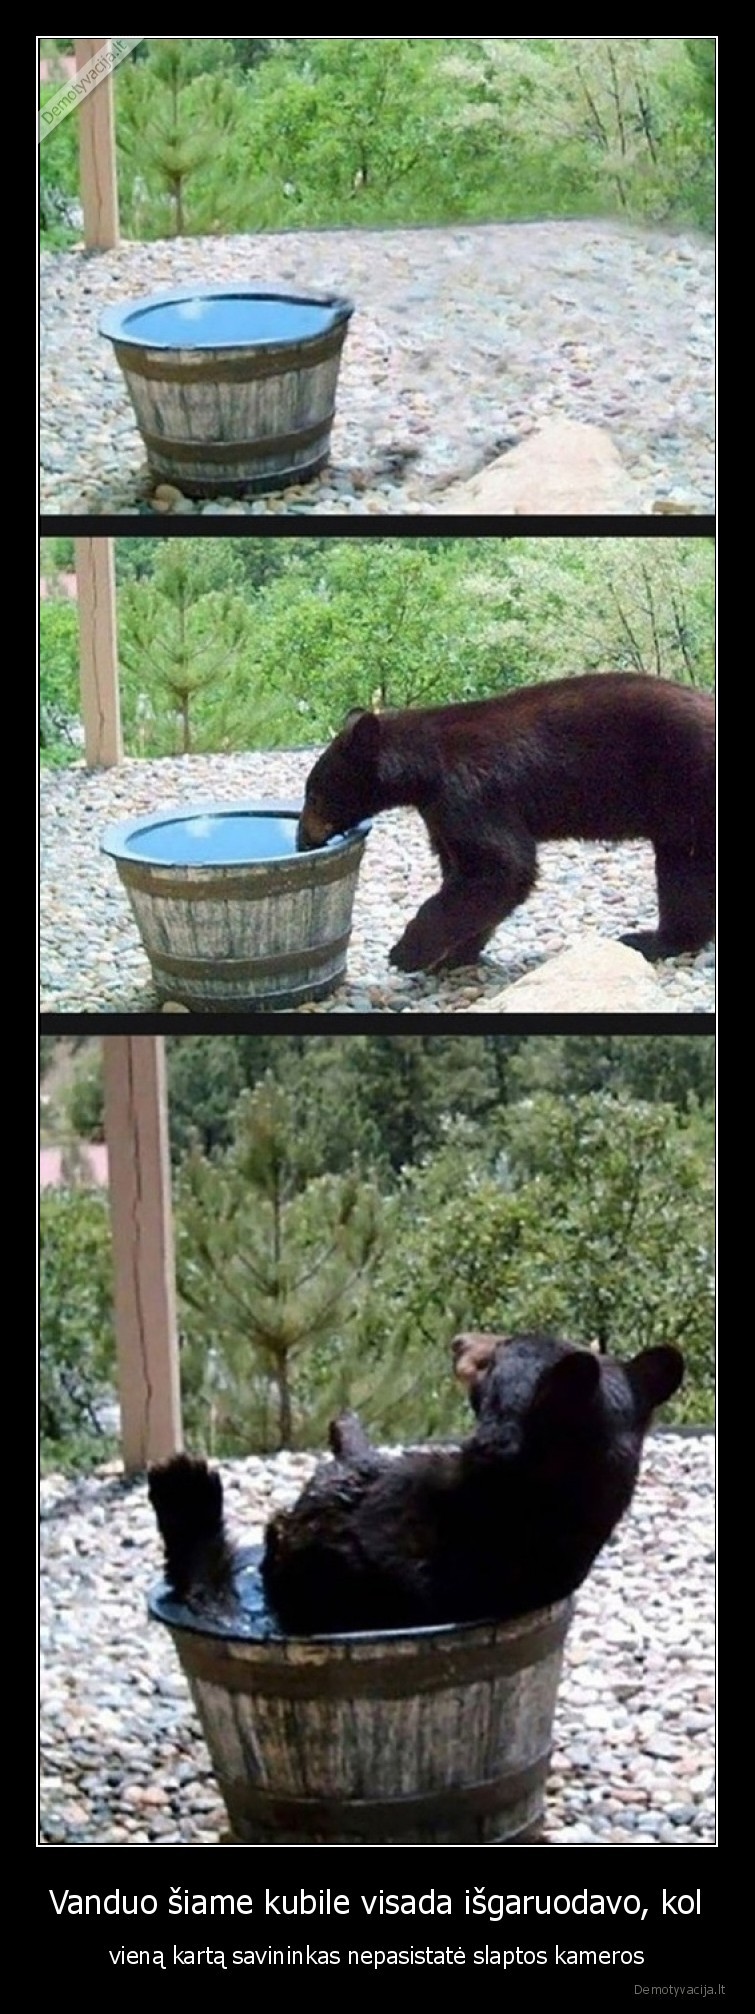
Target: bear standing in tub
[
  {"x": 507, "y": 1522},
  {"x": 607, "y": 756}
]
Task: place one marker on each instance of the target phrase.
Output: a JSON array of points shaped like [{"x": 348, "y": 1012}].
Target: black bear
[
  {"x": 506, "y": 1522},
  {"x": 608, "y": 756}
]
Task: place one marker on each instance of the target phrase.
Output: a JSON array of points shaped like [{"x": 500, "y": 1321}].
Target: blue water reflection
[{"x": 206, "y": 321}]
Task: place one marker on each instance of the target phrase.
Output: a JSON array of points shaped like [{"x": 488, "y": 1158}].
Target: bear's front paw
[
  {"x": 413, "y": 953},
  {"x": 346, "y": 1437}
]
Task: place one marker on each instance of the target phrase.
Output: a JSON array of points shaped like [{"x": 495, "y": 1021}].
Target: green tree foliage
[
  {"x": 353, "y": 130},
  {"x": 383, "y": 1100},
  {"x": 238, "y": 565},
  {"x": 85, "y": 1099},
  {"x": 701, "y": 51},
  {"x": 47, "y": 1050},
  {"x": 393, "y": 1093},
  {"x": 206, "y": 1076},
  {"x": 605, "y": 116},
  {"x": 58, "y": 178},
  {"x": 272, "y": 1263},
  {"x": 236, "y": 643},
  {"x": 345, "y": 1203},
  {"x": 76, "y": 1364},
  {"x": 569, "y": 605},
  {"x": 58, "y": 681},
  {"x": 590, "y": 1217},
  {"x": 387, "y": 621},
  {"x": 248, "y": 133},
  {"x": 180, "y": 642},
  {"x": 56, "y": 555},
  {"x": 251, "y": 50},
  {"x": 376, "y": 1102},
  {"x": 175, "y": 125},
  {"x": 136, "y": 559},
  {"x": 676, "y": 1070},
  {"x": 626, "y": 1191}
]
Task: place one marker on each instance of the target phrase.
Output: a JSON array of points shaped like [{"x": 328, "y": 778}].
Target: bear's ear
[
  {"x": 567, "y": 1389},
  {"x": 361, "y": 734},
  {"x": 655, "y": 1375}
]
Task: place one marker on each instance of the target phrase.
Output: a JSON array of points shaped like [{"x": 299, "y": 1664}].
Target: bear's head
[
  {"x": 340, "y": 788},
  {"x": 562, "y": 1403}
]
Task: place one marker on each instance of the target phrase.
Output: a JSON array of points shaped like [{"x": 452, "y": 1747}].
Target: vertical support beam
[
  {"x": 99, "y": 180},
  {"x": 136, "y": 1130},
  {"x": 98, "y": 660}
]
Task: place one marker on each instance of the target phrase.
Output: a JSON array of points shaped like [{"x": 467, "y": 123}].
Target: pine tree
[
  {"x": 179, "y": 639},
  {"x": 272, "y": 1266},
  {"x": 173, "y": 125}
]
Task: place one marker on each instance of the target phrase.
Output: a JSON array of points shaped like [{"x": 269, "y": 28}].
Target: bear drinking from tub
[{"x": 610, "y": 756}]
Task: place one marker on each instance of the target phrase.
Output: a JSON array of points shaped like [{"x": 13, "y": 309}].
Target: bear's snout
[{"x": 312, "y": 831}]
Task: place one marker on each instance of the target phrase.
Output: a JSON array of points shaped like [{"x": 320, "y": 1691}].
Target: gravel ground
[
  {"x": 91, "y": 958},
  {"x": 463, "y": 341},
  {"x": 123, "y": 1760}
]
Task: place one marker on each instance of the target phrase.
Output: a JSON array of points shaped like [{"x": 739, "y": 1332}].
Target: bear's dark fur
[
  {"x": 187, "y": 1499},
  {"x": 608, "y": 756},
  {"x": 508, "y": 1521}
]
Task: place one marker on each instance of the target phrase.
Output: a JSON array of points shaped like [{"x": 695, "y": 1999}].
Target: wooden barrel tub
[
  {"x": 233, "y": 388},
  {"x": 230, "y": 915},
  {"x": 405, "y": 1737}
]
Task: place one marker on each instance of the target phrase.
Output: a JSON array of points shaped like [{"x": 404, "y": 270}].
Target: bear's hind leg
[
  {"x": 686, "y": 908},
  {"x": 187, "y": 1499}
]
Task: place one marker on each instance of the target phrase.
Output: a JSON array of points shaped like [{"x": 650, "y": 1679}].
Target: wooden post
[
  {"x": 98, "y": 661},
  {"x": 99, "y": 179},
  {"x": 136, "y": 1130}
]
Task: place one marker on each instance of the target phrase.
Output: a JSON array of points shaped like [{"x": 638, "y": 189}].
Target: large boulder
[
  {"x": 563, "y": 468},
  {"x": 595, "y": 976}
]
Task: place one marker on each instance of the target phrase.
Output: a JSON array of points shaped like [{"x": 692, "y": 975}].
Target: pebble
[
  {"x": 123, "y": 1759},
  {"x": 91, "y": 957},
  {"x": 464, "y": 338}
]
